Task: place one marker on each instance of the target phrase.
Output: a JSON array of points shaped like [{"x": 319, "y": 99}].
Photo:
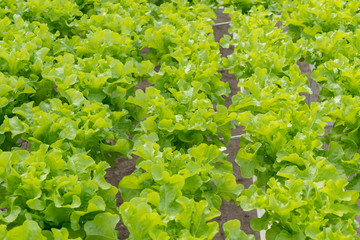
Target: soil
[{"x": 229, "y": 210}]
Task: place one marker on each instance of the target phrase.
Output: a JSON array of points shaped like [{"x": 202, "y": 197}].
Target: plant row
[{"x": 306, "y": 192}]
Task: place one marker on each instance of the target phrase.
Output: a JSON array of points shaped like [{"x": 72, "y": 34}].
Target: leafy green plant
[
  {"x": 47, "y": 196},
  {"x": 179, "y": 192},
  {"x": 64, "y": 127}
]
